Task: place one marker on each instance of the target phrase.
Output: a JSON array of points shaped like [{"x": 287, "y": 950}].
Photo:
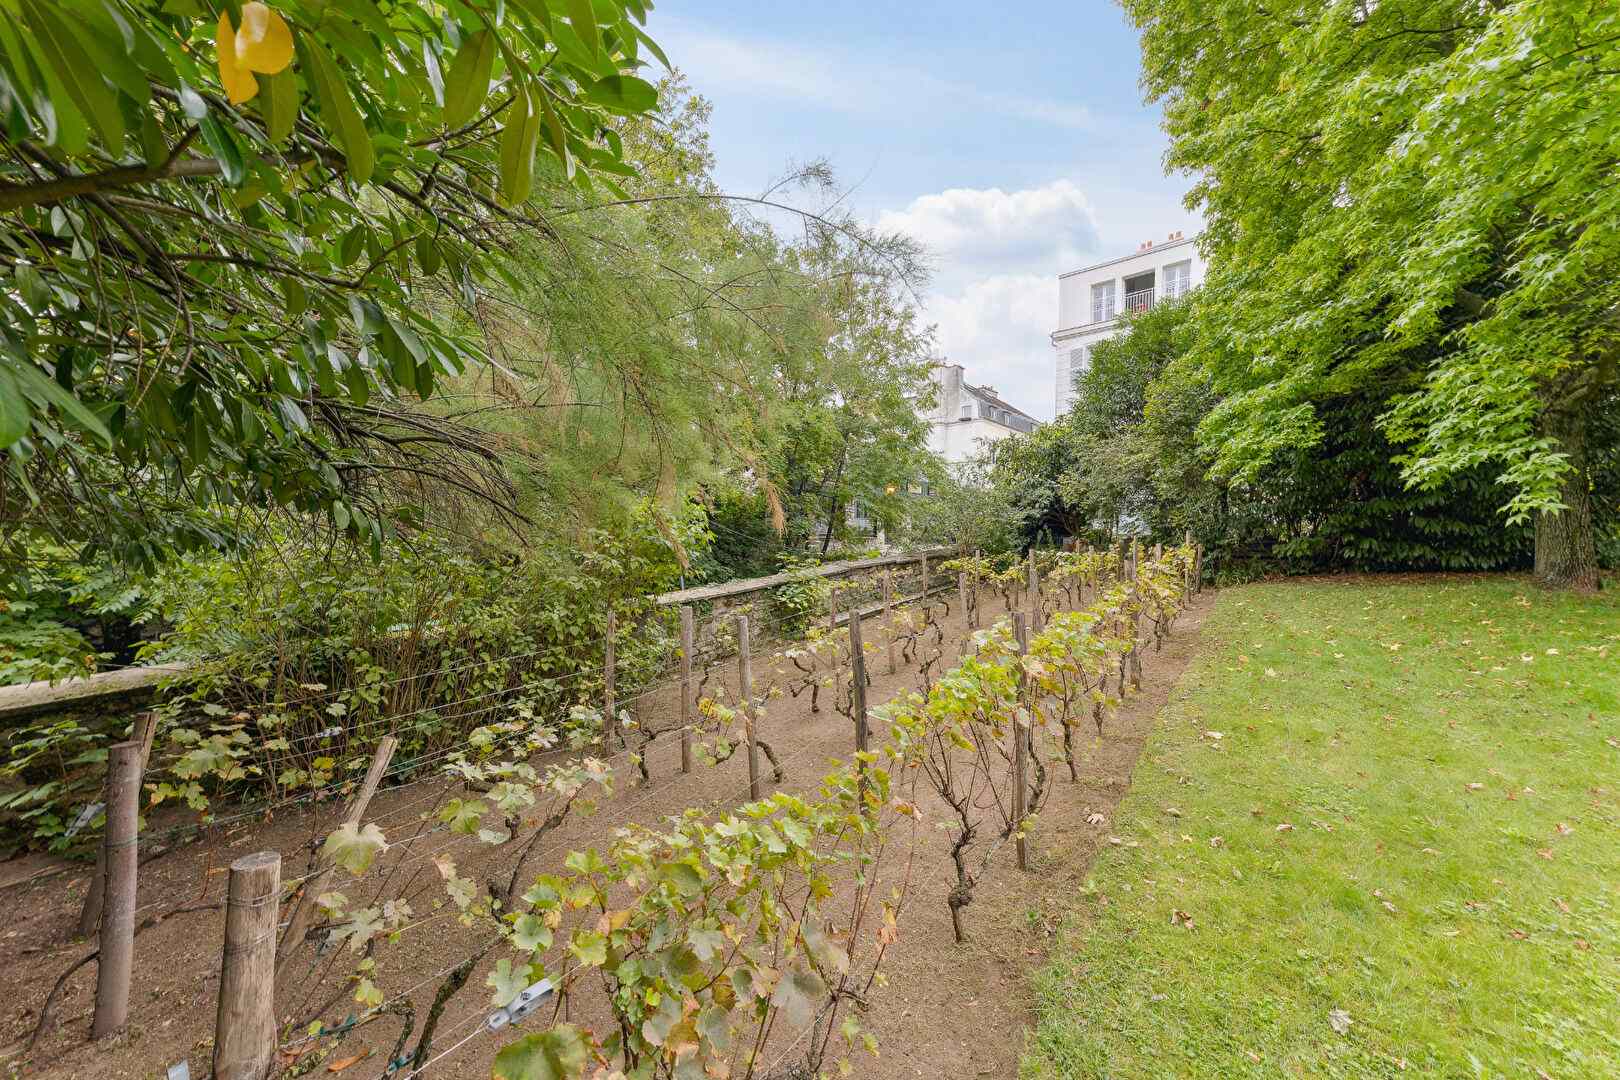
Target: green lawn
[{"x": 1445, "y": 898}]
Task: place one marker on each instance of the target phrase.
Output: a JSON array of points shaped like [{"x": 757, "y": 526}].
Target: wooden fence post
[
  {"x": 962, "y": 594},
  {"x": 117, "y": 947},
  {"x": 610, "y": 709},
  {"x": 145, "y": 731},
  {"x": 832, "y": 605},
  {"x": 1019, "y": 733},
  {"x": 315, "y": 884},
  {"x": 888, "y": 613},
  {"x": 1136, "y": 645},
  {"x": 245, "y": 1025},
  {"x": 1158, "y": 551},
  {"x": 745, "y": 682},
  {"x": 925, "y": 580},
  {"x": 688, "y": 638},
  {"x": 1034, "y": 592},
  {"x": 857, "y": 663},
  {"x": 1198, "y": 568}
]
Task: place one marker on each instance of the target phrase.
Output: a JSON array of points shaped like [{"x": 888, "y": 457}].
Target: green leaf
[
  {"x": 506, "y": 983},
  {"x": 353, "y": 847},
  {"x": 79, "y": 75},
  {"x": 34, "y": 382},
  {"x": 518, "y": 141},
  {"x": 624, "y": 93},
  {"x": 590, "y": 947},
  {"x": 223, "y": 146},
  {"x": 530, "y": 933},
  {"x": 467, "y": 85},
  {"x": 798, "y": 993},
  {"x": 278, "y": 104},
  {"x": 582, "y": 16},
  {"x": 339, "y": 114},
  {"x": 560, "y": 1053},
  {"x": 14, "y": 411}
]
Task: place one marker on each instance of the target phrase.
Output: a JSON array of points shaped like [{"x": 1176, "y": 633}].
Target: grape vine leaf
[
  {"x": 557, "y": 1054},
  {"x": 354, "y": 847}
]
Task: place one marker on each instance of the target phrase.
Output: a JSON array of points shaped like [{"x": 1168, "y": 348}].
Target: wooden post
[
  {"x": 315, "y": 884},
  {"x": 832, "y": 605},
  {"x": 925, "y": 580},
  {"x": 962, "y": 594},
  {"x": 857, "y": 664},
  {"x": 1136, "y": 647},
  {"x": 687, "y": 641},
  {"x": 1034, "y": 592},
  {"x": 1019, "y": 734},
  {"x": 745, "y": 682},
  {"x": 245, "y": 1025},
  {"x": 888, "y": 613},
  {"x": 145, "y": 731},
  {"x": 1198, "y": 568},
  {"x": 117, "y": 947},
  {"x": 610, "y": 708},
  {"x": 1158, "y": 551}
]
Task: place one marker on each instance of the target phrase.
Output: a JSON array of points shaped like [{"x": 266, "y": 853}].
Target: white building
[
  {"x": 966, "y": 417},
  {"x": 1091, "y": 299}
]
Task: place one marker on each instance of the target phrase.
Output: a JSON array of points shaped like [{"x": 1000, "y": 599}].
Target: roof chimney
[{"x": 1175, "y": 235}]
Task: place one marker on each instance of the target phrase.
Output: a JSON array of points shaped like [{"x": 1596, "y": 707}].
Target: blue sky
[{"x": 1010, "y": 138}]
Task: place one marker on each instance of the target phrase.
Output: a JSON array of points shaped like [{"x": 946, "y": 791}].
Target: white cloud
[
  {"x": 973, "y": 232},
  {"x": 997, "y": 328},
  {"x": 839, "y": 79}
]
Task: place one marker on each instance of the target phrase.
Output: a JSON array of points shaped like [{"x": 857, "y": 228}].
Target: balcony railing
[{"x": 1140, "y": 300}]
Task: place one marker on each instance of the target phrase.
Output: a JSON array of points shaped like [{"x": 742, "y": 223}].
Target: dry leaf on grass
[{"x": 1340, "y": 1021}]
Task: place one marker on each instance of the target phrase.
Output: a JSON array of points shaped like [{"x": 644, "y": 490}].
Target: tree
[
  {"x": 1410, "y": 194},
  {"x": 240, "y": 234}
]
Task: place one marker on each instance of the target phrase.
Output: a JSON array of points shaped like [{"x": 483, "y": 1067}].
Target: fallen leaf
[
  {"x": 1216, "y": 841},
  {"x": 344, "y": 1063},
  {"x": 1340, "y": 1021},
  {"x": 1181, "y": 918},
  {"x": 1561, "y": 905},
  {"x": 1564, "y": 830},
  {"x": 1545, "y": 853},
  {"x": 1172, "y": 811},
  {"x": 1285, "y": 827},
  {"x": 1096, "y": 819},
  {"x": 1475, "y": 787},
  {"x": 1517, "y": 935}
]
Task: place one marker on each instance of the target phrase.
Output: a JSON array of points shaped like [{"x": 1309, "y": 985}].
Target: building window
[
  {"x": 1102, "y": 301},
  {"x": 967, "y": 411},
  {"x": 1178, "y": 278}
]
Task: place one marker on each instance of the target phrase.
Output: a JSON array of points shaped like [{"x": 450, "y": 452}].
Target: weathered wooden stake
[
  {"x": 832, "y": 605},
  {"x": 1158, "y": 551},
  {"x": 245, "y": 1025},
  {"x": 925, "y": 580},
  {"x": 888, "y": 613},
  {"x": 962, "y": 594},
  {"x": 1136, "y": 647},
  {"x": 610, "y": 708},
  {"x": 1019, "y": 734},
  {"x": 145, "y": 732},
  {"x": 745, "y": 682},
  {"x": 1198, "y": 568},
  {"x": 687, "y": 642},
  {"x": 1034, "y": 592},
  {"x": 857, "y": 663},
  {"x": 315, "y": 884},
  {"x": 117, "y": 947}
]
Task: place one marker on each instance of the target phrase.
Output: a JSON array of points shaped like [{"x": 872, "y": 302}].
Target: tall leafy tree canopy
[
  {"x": 1414, "y": 196},
  {"x": 245, "y": 241}
]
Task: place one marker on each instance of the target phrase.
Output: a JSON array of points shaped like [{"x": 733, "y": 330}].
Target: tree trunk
[{"x": 1566, "y": 543}]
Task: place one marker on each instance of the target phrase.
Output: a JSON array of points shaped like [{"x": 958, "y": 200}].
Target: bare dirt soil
[{"x": 948, "y": 1011}]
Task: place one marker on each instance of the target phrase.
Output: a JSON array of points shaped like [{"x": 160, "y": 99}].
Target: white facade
[
  {"x": 1091, "y": 299},
  {"x": 966, "y": 418}
]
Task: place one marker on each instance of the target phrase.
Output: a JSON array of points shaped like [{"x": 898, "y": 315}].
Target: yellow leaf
[
  {"x": 239, "y": 83},
  {"x": 264, "y": 43}
]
